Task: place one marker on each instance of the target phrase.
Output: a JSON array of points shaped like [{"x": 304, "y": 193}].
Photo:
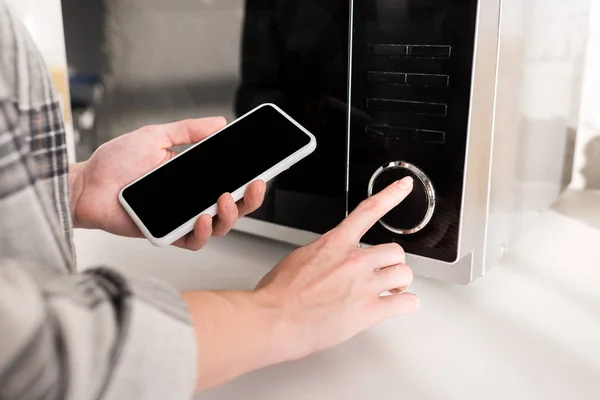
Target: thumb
[{"x": 190, "y": 131}]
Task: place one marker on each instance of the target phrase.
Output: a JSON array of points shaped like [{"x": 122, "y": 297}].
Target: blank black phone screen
[{"x": 193, "y": 181}]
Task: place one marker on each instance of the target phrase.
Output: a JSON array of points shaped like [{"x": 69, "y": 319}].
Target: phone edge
[{"x": 237, "y": 195}]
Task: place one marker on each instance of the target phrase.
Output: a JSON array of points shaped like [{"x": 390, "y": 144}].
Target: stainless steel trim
[
  {"x": 429, "y": 190},
  {"x": 276, "y": 232},
  {"x": 478, "y": 152},
  {"x": 459, "y": 272}
]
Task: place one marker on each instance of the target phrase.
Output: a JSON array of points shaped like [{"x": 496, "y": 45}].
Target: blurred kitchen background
[{"x": 139, "y": 62}]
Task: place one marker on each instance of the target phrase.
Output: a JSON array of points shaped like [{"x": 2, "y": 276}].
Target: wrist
[
  {"x": 285, "y": 339},
  {"x": 281, "y": 335},
  {"x": 76, "y": 185},
  {"x": 236, "y": 332}
]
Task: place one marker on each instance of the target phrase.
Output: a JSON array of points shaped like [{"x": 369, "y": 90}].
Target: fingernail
[
  {"x": 417, "y": 303},
  {"x": 406, "y": 183}
]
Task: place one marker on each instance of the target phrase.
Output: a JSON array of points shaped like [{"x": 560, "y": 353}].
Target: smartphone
[{"x": 166, "y": 202}]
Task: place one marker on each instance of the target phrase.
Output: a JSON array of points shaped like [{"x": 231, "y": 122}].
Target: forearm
[
  {"x": 76, "y": 183},
  {"x": 92, "y": 335},
  {"x": 236, "y": 333}
]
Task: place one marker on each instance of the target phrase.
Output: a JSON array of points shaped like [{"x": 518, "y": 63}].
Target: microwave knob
[{"x": 415, "y": 212}]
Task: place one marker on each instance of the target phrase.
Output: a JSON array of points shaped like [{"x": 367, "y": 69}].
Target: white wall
[
  {"x": 43, "y": 19},
  {"x": 586, "y": 171}
]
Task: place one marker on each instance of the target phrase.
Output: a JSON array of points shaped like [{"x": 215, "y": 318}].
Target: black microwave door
[{"x": 295, "y": 55}]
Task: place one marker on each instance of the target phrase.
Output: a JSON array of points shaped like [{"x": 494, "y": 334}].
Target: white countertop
[{"x": 528, "y": 330}]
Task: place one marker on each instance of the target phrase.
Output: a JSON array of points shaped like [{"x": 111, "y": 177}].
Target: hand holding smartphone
[{"x": 166, "y": 202}]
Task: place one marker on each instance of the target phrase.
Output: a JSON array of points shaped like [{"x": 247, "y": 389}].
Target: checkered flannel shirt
[{"x": 63, "y": 334}]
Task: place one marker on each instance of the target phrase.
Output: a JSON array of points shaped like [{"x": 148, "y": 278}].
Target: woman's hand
[
  {"x": 331, "y": 289},
  {"x": 316, "y": 298},
  {"x": 95, "y": 183}
]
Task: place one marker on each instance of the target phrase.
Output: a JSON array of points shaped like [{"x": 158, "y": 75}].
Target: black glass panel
[
  {"x": 410, "y": 90},
  {"x": 295, "y": 54}
]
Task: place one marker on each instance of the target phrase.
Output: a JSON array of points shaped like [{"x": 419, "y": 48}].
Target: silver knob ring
[{"x": 429, "y": 192}]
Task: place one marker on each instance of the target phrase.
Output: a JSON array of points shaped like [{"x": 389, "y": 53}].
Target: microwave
[{"x": 477, "y": 100}]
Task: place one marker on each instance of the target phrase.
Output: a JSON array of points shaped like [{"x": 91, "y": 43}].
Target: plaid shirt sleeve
[{"x": 63, "y": 334}]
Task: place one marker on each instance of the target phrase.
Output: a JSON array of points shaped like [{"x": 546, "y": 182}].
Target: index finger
[{"x": 374, "y": 208}]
